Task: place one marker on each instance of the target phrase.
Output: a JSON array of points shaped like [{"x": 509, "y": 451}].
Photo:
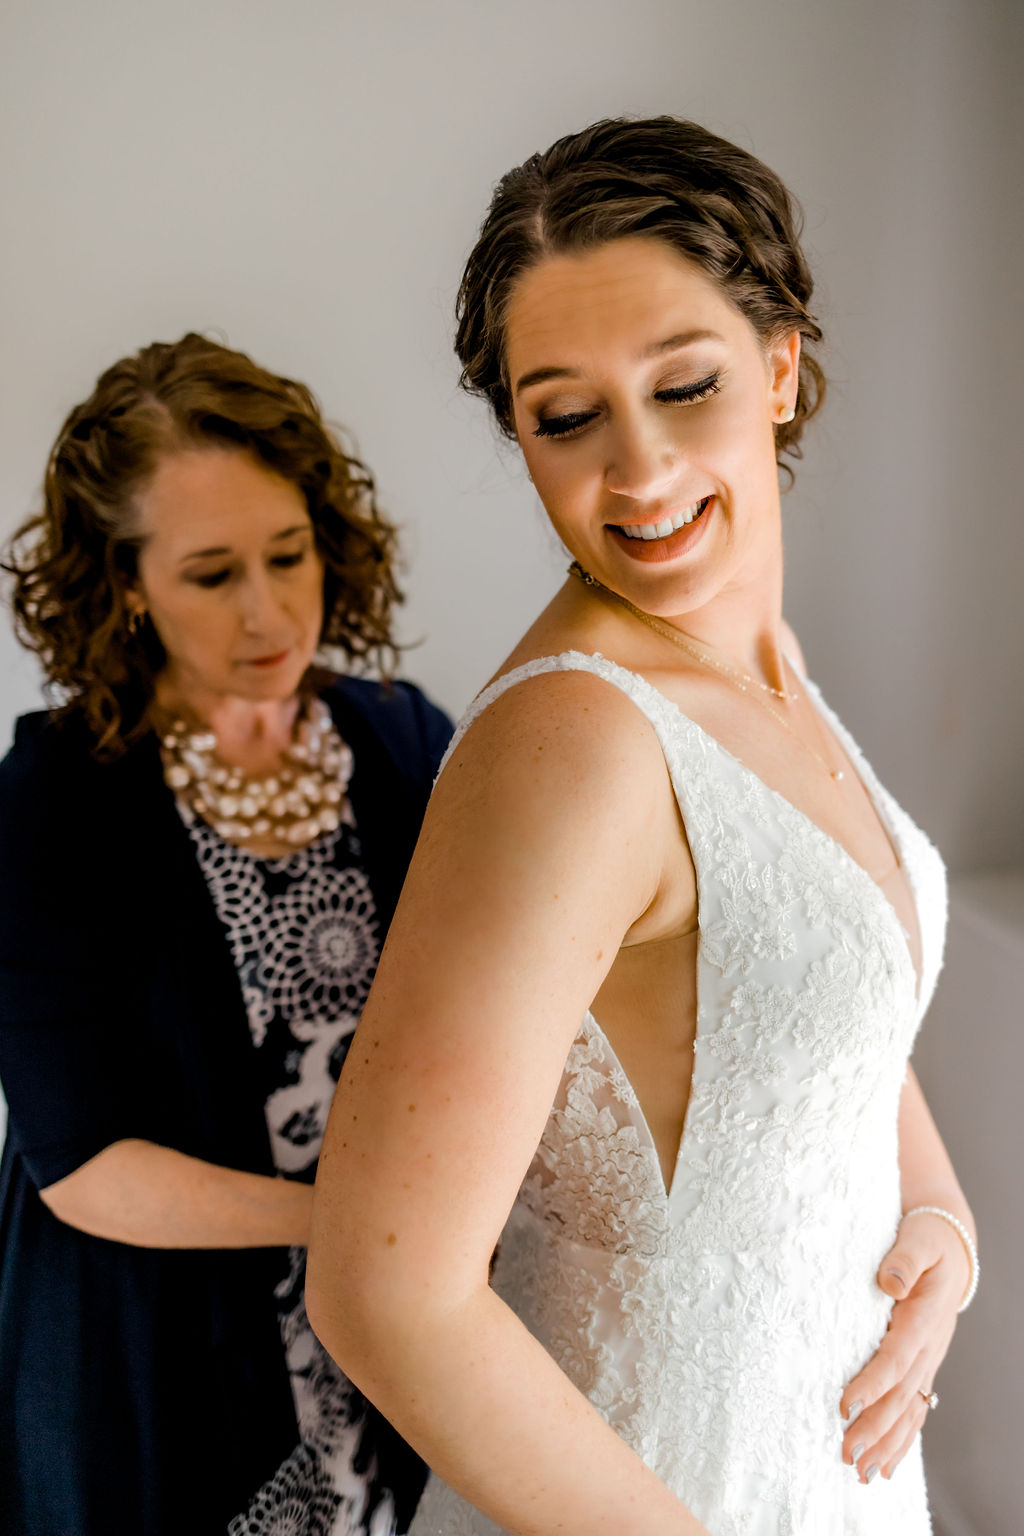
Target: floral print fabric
[{"x": 305, "y": 941}]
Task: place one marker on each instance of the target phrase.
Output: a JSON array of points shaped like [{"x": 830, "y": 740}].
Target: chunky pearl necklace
[{"x": 296, "y": 805}]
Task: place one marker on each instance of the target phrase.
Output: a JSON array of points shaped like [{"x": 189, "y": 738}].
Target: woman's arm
[
  {"x": 80, "y": 1069},
  {"x": 543, "y": 845},
  {"x": 927, "y": 1273},
  {"x": 154, "y": 1197},
  {"x": 927, "y": 1178}
]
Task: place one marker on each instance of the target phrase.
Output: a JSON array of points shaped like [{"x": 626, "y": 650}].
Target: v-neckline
[
  {"x": 871, "y": 787},
  {"x": 868, "y": 783}
]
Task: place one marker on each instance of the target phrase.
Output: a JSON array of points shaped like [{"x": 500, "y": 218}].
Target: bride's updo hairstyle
[{"x": 659, "y": 177}]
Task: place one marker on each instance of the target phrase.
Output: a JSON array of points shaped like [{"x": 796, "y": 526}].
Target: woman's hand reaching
[{"x": 927, "y": 1273}]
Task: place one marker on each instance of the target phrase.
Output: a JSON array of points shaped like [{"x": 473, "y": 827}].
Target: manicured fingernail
[
  {"x": 870, "y": 1473},
  {"x": 858, "y": 1452},
  {"x": 855, "y": 1410}
]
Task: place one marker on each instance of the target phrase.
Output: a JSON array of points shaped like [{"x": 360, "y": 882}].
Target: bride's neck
[{"x": 743, "y": 624}]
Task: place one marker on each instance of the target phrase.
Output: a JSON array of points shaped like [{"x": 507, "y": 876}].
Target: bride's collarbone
[{"x": 803, "y": 761}]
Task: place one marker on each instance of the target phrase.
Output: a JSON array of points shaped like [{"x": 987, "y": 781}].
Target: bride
[{"x": 644, "y": 1015}]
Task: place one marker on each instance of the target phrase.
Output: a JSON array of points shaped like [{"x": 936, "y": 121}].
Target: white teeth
[{"x": 665, "y": 527}]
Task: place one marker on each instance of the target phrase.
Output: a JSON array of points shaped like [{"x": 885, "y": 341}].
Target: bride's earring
[{"x": 786, "y": 415}]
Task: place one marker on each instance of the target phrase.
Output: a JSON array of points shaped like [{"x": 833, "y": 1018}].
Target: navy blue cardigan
[{"x": 143, "y": 1392}]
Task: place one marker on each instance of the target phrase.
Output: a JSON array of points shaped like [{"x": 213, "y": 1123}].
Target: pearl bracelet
[{"x": 964, "y": 1236}]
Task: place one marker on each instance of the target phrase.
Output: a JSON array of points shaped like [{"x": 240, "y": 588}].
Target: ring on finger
[{"x": 931, "y": 1398}]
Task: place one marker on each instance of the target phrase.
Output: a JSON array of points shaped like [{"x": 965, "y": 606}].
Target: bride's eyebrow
[
  {"x": 683, "y": 339},
  {"x": 656, "y": 349}
]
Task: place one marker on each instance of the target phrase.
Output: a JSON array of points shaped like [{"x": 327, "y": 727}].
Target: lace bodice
[{"x": 715, "y": 1323}]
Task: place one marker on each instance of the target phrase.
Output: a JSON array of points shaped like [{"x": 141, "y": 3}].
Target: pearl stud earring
[{"x": 787, "y": 415}]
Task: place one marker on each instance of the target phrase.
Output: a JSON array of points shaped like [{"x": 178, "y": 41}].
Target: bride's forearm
[
  {"x": 489, "y": 1410},
  {"x": 927, "y": 1176}
]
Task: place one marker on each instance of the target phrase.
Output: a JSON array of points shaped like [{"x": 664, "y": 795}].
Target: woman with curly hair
[
  {"x": 201, "y": 846},
  {"x": 665, "y": 943}
]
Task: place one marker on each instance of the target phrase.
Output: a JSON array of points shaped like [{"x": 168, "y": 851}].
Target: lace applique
[
  {"x": 715, "y": 1324},
  {"x": 753, "y": 925},
  {"x": 595, "y": 1178}
]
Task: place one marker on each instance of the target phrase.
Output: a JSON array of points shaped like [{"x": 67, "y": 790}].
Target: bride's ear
[{"x": 784, "y": 376}]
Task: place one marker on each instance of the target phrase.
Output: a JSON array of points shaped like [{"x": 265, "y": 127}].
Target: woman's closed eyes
[
  {"x": 573, "y": 422},
  {"x": 219, "y": 577}
]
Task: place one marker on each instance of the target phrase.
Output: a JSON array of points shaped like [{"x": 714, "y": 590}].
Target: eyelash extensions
[{"x": 575, "y": 421}]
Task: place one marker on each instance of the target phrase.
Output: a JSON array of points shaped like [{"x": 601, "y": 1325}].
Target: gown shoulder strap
[{"x": 654, "y": 705}]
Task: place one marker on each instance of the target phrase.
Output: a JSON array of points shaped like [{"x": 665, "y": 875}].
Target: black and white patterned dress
[{"x": 305, "y": 940}]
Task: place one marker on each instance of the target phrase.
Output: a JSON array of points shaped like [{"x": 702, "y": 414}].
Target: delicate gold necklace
[
  {"x": 295, "y": 805},
  {"x": 734, "y": 675},
  {"x": 743, "y": 680}
]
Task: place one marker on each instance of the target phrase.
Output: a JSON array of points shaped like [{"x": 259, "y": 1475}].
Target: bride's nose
[{"x": 643, "y": 461}]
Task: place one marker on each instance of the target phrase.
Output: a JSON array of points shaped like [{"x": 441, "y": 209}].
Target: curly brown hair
[
  {"x": 660, "y": 177},
  {"x": 73, "y": 561}
]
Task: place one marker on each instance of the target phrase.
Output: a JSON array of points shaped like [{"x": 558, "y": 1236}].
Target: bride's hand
[{"x": 927, "y": 1273}]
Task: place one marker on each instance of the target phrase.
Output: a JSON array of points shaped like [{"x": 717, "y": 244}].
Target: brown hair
[
  {"x": 71, "y": 562},
  {"x": 660, "y": 177}
]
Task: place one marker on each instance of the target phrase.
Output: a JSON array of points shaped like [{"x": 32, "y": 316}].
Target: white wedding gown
[{"x": 715, "y": 1324}]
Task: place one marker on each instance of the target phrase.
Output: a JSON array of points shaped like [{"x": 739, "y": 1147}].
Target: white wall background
[{"x": 306, "y": 180}]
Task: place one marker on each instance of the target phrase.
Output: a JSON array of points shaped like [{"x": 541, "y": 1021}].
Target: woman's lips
[
  {"x": 267, "y": 661},
  {"x": 677, "y": 543}
]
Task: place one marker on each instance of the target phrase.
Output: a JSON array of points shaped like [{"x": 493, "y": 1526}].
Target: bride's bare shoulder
[{"x": 556, "y": 724}]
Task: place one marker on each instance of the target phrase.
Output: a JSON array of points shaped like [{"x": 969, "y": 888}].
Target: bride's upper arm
[{"x": 539, "y": 850}]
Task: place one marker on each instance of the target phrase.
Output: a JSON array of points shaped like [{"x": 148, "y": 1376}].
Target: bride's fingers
[
  {"x": 867, "y": 1435},
  {"x": 893, "y": 1361},
  {"x": 876, "y": 1458},
  {"x": 913, "y": 1430},
  {"x": 907, "y": 1260}
]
